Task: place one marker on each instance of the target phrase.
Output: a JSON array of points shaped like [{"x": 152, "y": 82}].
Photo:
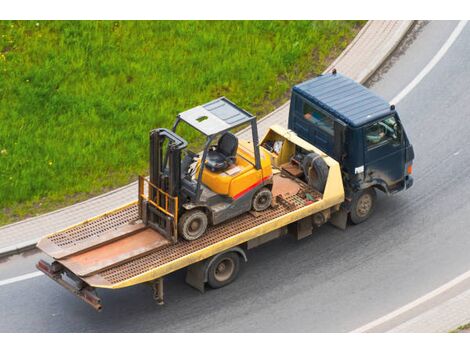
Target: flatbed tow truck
[{"x": 124, "y": 247}]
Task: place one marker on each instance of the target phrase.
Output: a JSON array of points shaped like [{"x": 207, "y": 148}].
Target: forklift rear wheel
[
  {"x": 192, "y": 224},
  {"x": 262, "y": 199},
  {"x": 223, "y": 270},
  {"x": 363, "y": 205}
]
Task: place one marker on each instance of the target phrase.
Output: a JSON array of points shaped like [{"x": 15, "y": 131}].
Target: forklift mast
[
  {"x": 165, "y": 180},
  {"x": 165, "y": 164}
]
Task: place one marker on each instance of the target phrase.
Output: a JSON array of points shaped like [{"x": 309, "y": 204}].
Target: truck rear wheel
[
  {"x": 223, "y": 270},
  {"x": 192, "y": 224},
  {"x": 362, "y": 205}
]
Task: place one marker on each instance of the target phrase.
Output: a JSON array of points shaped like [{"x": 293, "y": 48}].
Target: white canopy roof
[{"x": 216, "y": 116}]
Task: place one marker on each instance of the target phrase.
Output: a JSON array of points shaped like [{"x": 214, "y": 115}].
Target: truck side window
[
  {"x": 317, "y": 118},
  {"x": 382, "y": 132}
]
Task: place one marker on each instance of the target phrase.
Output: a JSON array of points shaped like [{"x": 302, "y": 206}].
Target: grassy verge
[
  {"x": 78, "y": 98},
  {"x": 463, "y": 328}
]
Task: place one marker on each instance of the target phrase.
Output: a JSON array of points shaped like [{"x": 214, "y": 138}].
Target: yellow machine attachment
[{"x": 242, "y": 176}]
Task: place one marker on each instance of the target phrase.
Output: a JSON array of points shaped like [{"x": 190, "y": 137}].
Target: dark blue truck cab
[{"x": 359, "y": 129}]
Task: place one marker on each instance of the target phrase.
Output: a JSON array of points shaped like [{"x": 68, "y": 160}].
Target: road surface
[{"x": 335, "y": 280}]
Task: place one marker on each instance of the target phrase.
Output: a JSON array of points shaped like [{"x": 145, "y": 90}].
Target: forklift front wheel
[
  {"x": 262, "y": 199},
  {"x": 223, "y": 270},
  {"x": 192, "y": 224},
  {"x": 363, "y": 205}
]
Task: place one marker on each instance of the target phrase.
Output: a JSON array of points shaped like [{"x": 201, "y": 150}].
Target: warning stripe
[{"x": 238, "y": 195}]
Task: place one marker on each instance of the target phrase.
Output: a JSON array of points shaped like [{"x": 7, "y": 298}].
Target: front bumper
[{"x": 408, "y": 181}]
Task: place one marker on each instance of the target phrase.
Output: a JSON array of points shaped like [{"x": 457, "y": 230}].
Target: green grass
[
  {"x": 77, "y": 99},
  {"x": 462, "y": 328}
]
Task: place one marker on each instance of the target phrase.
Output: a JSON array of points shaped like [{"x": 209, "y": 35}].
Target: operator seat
[{"x": 223, "y": 155}]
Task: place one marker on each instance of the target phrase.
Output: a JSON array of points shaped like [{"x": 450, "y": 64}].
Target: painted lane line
[
  {"x": 20, "y": 278},
  {"x": 439, "y": 55},
  {"x": 447, "y": 286}
]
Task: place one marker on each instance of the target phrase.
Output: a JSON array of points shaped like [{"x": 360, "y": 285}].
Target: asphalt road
[{"x": 335, "y": 280}]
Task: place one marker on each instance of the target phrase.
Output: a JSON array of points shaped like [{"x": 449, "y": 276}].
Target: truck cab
[{"x": 359, "y": 129}]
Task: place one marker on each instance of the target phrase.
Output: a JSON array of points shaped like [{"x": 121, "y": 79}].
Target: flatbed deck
[{"x": 166, "y": 258}]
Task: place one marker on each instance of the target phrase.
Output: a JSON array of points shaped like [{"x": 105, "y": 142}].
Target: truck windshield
[{"x": 381, "y": 132}]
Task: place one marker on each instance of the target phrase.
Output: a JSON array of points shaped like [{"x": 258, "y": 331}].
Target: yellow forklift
[{"x": 187, "y": 194}]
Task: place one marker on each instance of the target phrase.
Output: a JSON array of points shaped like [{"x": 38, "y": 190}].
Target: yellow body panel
[{"x": 240, "y": 176}]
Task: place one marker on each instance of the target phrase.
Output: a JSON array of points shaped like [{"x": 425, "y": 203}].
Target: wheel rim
[
  {"x": 194, "y": 225},
  {"x": 262, "y": 200},
  {"x": 224, "y": 269},
  {"x": 364, "y": 205},
  {"x": 194, "y": 228}
]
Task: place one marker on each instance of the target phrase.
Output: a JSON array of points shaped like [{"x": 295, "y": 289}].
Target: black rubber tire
[
  {"x": 215, "y": 279},
  {"x": 187, "y": 219},
  {"x": 315, "y": 171},
  {"x": 362, "y": 205},
  {"x": 262, "y": 199}
]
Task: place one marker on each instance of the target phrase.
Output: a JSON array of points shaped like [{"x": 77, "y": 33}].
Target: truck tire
[
  {"x": 262, "y": 199},
  {"x": 362, "y": 205},
  {"x": 223, "y": 270},
  {"x": 316, "y": 171},
  {"x": 192, "y": 224}
]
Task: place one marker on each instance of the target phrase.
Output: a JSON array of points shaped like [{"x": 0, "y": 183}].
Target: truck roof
[{"x": 344, "y": 98}]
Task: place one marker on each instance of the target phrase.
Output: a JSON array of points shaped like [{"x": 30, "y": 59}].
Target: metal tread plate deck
[
  {"x": 98, "y": 258},
  {"x": 96, "y": 230},
  {"x": 170, "y": 256}
]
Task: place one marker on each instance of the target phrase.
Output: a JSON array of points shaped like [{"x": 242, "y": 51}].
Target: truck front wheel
[
  {"x": 362, "y": 205},
  {"x": 223, "y": 270}
]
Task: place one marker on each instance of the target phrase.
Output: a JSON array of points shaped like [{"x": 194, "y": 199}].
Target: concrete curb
[
  {"x": 18, "y": 248},
  {"x": 361, "y": 58}
]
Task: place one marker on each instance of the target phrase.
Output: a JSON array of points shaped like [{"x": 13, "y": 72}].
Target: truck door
[
  {"x": 314, "y": 126},
  {"x": 385, "y": 151}
]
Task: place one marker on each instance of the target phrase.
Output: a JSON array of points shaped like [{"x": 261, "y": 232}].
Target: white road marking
[
  {"x": 409, "y": 306},
  {"x": 20, "y": 278},
  {"x": 440, "y": 54}
]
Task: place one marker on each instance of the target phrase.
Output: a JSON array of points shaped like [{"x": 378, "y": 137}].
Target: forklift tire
[
  {"x": 223, "y": 270},
  {"x": 316, "y": 171},
  {"x": 362, "y": 205},
  {"x": 262, "y": 199},
  {"x": 192, "y": 224}
]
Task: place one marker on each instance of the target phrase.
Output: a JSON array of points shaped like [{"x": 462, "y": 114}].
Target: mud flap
[
  {"x": 339, "y": 219},
  {"x": 301, "y": 228},
  {"x": 195, "y": 275}
]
